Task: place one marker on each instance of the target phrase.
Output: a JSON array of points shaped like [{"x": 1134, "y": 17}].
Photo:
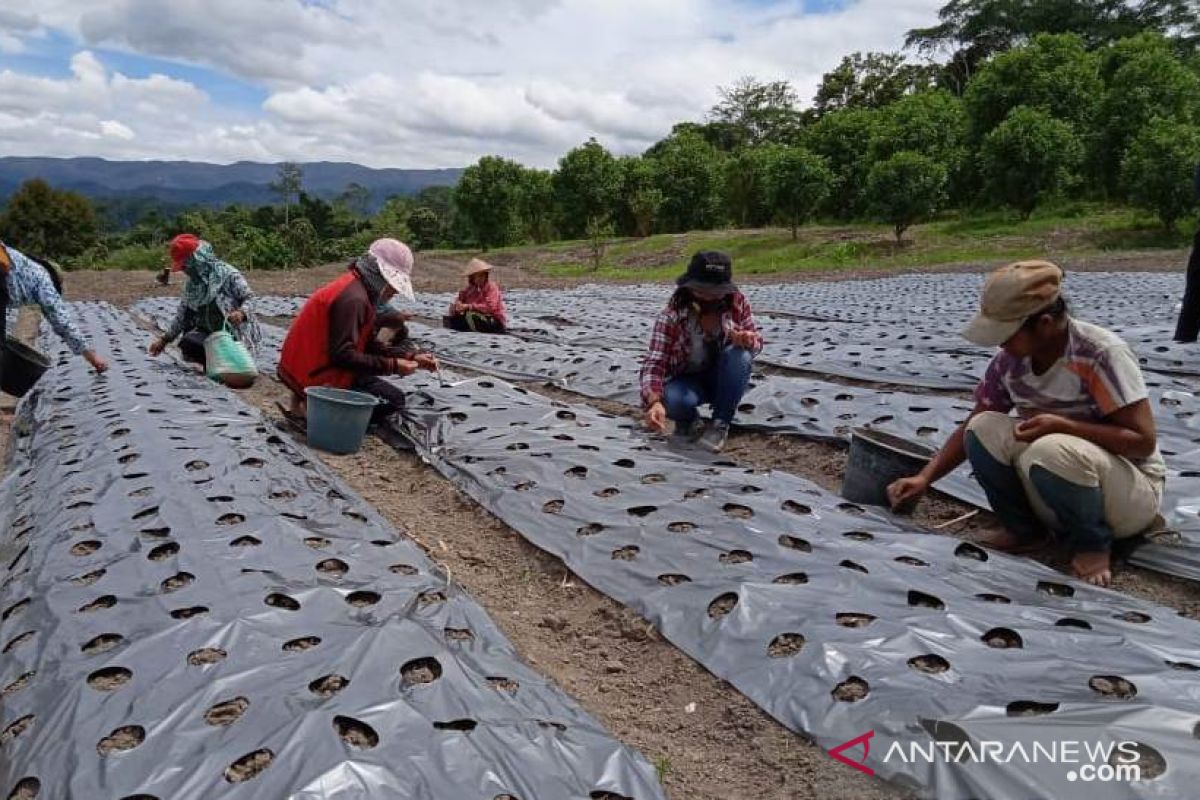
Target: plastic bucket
[
  {"x": 22, "y": 367},
  {"x": 876, "y": 459},
  {"x": 338, "y": 418}
]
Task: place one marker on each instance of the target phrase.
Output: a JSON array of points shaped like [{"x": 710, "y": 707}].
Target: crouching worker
[
  {"x": 701, "y": 352},
  {"x": 216, "y": 297},
  {"x": 333, "y": 340},
  {"x": 479, "y": 307},
  {"x": 27, "y": 281},
  {"x": 1080, "y": 459}
]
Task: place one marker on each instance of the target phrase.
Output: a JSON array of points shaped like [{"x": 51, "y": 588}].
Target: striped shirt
[{"x": 1097, "y": 376}]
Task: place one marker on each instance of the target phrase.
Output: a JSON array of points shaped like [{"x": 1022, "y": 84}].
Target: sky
[{"x": 402, "y": 83}]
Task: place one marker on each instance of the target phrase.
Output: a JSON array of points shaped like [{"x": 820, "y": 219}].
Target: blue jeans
[{"x": 722, "y": 386}]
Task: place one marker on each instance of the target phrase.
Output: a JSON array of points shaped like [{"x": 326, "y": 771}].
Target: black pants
[
  {"x": 391, "y": 395},
  {"x": 1188, "y": 327},
  {"x": 474, "y": 321},
  {"x": 191, "y": 344}
]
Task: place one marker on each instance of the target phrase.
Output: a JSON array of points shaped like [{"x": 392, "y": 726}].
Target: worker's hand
[
  {"x": 907, "y": 490},
  {"x": 745, "y": 339},
  {"x": 426, "y": 361},
  {"x": 236, "y": 317},
  {"x": 403, "y": 366},
  {"x": 98, "y": 363},
  {"x": 156, "y": 347},
  {"x": 656, "y": 418},
  {"x": 1036, "y": 427}
]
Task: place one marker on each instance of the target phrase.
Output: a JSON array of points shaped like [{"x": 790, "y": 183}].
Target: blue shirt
[{"x": 29, "y": 285}]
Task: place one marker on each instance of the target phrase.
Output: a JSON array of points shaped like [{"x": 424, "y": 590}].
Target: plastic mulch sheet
[
  {"x": 832, "y": 618},
  {"x": 193, "y": 607},
  {"x": 820, "y": 410}
]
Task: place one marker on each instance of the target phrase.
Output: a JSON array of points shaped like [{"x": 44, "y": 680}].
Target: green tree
[
  {"x": 906, "y": 189},
  {"x": 688, "y": 174},
  {"x": 537, "y": 205},
  {"x": 870, "y": 80},
  {"x": 1148, "y": 82},
  {"x": 798, "y": 182},
  {"x": 488, "y": 198},
  {"x": 933, "y": 123},
  {"x": 1027, "y": 157},
  {"x": 1158, "y": 169},
  {"x": 758, "y": 112},
  {"x": 639, "y": 200},
  {"x": 599, "y": 231},
  {"x": 746, "y": 186},
  {"x": 357, "y": 198},
  {"x": 843, "y": 138},
  {"x": 973, "y": 30},
  {"x": 289, "y": 182},
  {"x": 425, "y": 228},
  {"x": 303, "y": 242},
  {"x": 49, "y": 222},
  {"x": 586, "y": 187},
  {"x": 1055, "y": 74}
]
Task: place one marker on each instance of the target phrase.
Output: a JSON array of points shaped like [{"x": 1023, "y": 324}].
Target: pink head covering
[{"x": 395, "y": 264}]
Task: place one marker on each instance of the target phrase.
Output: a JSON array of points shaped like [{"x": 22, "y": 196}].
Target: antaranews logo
[{"x": 1084, "y": 761}]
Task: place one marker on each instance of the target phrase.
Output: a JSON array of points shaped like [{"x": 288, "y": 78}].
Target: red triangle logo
[{"x": 865, "y": 741}]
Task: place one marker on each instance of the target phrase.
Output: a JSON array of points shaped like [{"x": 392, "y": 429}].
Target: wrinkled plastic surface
[
  {"x": 820, "y": 410},
  {"x": 800, "y": 599},
  {"x": 171, "y": 563}
]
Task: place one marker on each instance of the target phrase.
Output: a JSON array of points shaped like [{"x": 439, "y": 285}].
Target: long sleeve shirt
[
  {"x": 29, "y": 285},
  {"x": 670, "y": 343},
  {"x": 349, "y": 313},
  {"x": 234, "y": 294},
  {"x": 485, "y": 299}
]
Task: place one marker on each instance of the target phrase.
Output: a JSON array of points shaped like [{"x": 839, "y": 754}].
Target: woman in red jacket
[
  {"x": 333, "y": 343},
  {"x": 480, "y": 306}
]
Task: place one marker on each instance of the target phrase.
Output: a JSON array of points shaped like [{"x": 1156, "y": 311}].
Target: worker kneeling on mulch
[
  {"x": 479, "y": 307},
  {"x": 215, "y": 299},
  {"x": 333, "y": 340},
  {"x": 1080, "y": 460},
  {"x": 701, "y": 351}
]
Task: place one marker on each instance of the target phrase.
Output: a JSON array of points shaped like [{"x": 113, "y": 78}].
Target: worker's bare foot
[
  {"x": 1005, "y": 541},
  {"x": 1094, "y": 567}
]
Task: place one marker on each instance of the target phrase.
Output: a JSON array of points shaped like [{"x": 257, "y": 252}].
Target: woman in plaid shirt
[{"x": 701, "y": 352}]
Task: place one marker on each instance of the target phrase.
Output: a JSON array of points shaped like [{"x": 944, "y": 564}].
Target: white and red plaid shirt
[{"x": 670, "y": 343}]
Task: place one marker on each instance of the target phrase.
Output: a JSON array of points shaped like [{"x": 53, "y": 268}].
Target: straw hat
[{"x": 476, "y": 266}]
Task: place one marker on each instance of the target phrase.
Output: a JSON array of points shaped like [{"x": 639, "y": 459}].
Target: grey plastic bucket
[
  {"x": 876, "y": 459},
  {"x": 22, "y": 367},
  {"x": 338, "y": 418}
]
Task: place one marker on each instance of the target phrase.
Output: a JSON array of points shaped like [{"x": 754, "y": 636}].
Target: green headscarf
[{"x": 206, "y": 275}]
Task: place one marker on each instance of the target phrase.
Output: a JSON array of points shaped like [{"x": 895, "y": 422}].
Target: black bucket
[
  {"x": 876, "y": 460},
  {"x": 22, "y": 367}
]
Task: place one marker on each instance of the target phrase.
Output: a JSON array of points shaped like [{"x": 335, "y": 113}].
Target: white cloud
[
  {"x": 419, "y": 84},
  {"x": 116, "y": 130}
]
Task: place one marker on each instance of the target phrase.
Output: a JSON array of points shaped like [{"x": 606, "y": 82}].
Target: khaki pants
[{"x": 1131, "y": 498}]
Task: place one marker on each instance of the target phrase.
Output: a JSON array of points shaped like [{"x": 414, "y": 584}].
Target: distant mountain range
[{"x": 188, "y": 183}]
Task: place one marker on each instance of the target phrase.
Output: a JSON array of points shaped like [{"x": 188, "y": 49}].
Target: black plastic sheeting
[
  {"x": 835, "y": 619},
  {"x": 818, "y": 410},
  {"x": 831, "y": 617},
  {"x": 193, "y": 607}
]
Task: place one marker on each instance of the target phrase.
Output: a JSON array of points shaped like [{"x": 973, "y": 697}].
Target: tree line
[{"x": 1015, "y": 103}]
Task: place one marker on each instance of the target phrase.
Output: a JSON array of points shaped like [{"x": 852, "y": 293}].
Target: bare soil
[{"x": 706, "y": 739}]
